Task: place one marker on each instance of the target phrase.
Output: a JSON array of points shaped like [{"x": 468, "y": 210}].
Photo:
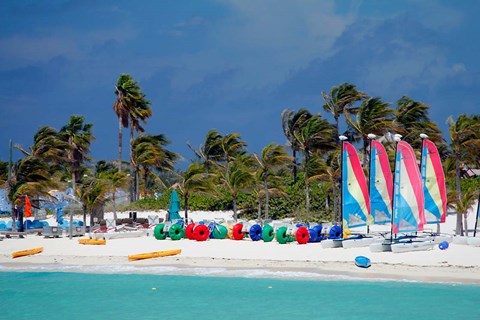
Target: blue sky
[{"x": 230, "y": 65}]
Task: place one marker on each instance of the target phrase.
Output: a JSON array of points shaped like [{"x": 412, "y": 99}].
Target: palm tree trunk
[
  {"x": 265, "y": 186},
  {"x": 91, "y": 218},
  {"x": 132, "y": 169},
  {"x": 294, "y": 154},
  {"x": 136, "y": 189},
  {"x": 337, "y": 129},
  {"x": 459, "y": 227},
  {"x": 114, "y": 207},
  {"x": 305, "y": 179},
  {"x": 335, "y": 199},
  {"x": 145, "y": 177},
  {"x": 70, "y": 233},
  {"x": 14, "y": 217},
  {"x": 259, "y": 208},
  {"x": 465, "y": 223},
  {"x": 84, "y": 209},
  {"x": 365, "y": 153},
  {"x": 120, "y": 137},
  {"x": 186, "y": 208},
  {"x": 235, "y": 209}
]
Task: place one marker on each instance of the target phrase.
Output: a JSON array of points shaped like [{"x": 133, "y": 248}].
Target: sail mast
[
  {"x": 370, "y": 136},
  {"x": 396, "y": 137},
  {"x": 342, "y": 139},
  {"x": 476, "y": 218}
]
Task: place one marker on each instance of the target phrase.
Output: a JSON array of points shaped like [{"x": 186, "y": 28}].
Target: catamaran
[
  {"x": 408, "y": 215},
  {"x": 434, "y": 188},
  {"x": 380, "y": 184},
  {"x": 355, "y": 204}
]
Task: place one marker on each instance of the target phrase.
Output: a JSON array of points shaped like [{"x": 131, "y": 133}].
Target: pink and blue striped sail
[
  {"x": 381, "y": 184},
  {"x": 408, "y": 201},
  {"x": 355, "y": 198},
  {"x": 433, "y": 180}
]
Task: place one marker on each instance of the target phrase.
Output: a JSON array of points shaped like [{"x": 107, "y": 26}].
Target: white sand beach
[{"x": 457, "y": 264}]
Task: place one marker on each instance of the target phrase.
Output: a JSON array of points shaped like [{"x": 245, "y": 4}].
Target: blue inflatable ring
[{"x": 255, "y": 232}]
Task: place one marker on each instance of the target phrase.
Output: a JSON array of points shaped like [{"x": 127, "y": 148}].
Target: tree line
[{"x": 224, "y": 175}]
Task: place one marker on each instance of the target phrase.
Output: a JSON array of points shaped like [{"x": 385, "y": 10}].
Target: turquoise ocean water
[{"x": 72, "y": 296}]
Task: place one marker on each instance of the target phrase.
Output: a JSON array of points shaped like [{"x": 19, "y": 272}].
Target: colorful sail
[
  {"x": 355, "y": 198},
  {"x": 433, "y": 180},
  {"x": 408, "y": 201},
  {"x": 381, "y": 184},
  {"x": 28, "y": 207}
]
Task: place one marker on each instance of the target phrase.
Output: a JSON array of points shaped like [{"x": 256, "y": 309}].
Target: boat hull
[
  {"x": 92, "y": 241},
  {"x": 473, "y": 242},
  {"x": 28, "y": 252},
  {"x": 380, "y": 247},
  {"x": 118, "y": 234},
  {"x": 331, "y": 243},
  {"x": 357, "y": 242},
  {"x": 157, "y": 254},
  {"x": 460, "y": 240},
  {"x": 414, "y": 245},
  {"x": 362, "y": 262}
]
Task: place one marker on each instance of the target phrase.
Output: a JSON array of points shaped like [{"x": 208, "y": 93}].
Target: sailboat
[
  {"x": 434, "y": 188},
  {"x": 380, "y": 184},
  {"x": 433, "y": 180},
  {"x": 408, "y": 209},
  {"x": 355, "y": 200},
  {"x": 408, "y": 202}
]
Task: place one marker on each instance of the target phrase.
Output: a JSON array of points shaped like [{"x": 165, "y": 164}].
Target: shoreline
[
  {"x": 459, "y": 264},
  {"x": 229, "y": 258}
]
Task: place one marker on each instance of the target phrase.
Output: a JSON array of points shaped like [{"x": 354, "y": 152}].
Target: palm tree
[
  {"x": 340, "y": 101},
  {"x": 48, "y": 146},
  {"x": 465, "y": 143},
  {"x": 195, "y": 180},
  {"x": 138, "y": 115},
  {"x": 412, "y": 119},
  {"x": 131, "y": 108},
  {"x": 327, "y": 171},
  {"x": 231, "y": 146},
  {"x": 31, "y": 176},
  {"x": 462, "y": 203},
  {"x": 78, "y": 135},
  {"x": 117, "y": 179},
  {"x": 210, "y": 150},
  {"x": 237, "y": 178},
  {"x": 273, "y": 157},
  {"x": 291, "y": 122},
  {"x": 315, "y": 134},
  {"x": 149, "y": 153},
  {"x": 94, "y": 194},
  {"x": 127, "y": 92},
  {"x": 374, "y": 116}
]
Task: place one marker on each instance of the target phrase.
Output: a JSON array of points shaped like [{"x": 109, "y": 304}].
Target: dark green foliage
[
  {"x": 470, "y": 184},
  {"x": 280, "y": 207}
]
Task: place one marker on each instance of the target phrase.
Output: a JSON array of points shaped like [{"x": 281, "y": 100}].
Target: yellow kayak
[
  {"x": 157, "y": 254},
  {"x": 92, "y": 241},
  {"x": 28, "y": 252}
]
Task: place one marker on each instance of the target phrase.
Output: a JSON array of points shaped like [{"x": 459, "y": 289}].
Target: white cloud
[{"x": 264, "y": 41}]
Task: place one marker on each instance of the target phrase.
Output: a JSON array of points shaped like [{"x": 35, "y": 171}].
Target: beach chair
[
  {"x": 110, "y": 223},
  {"x": 52, "y": 232},
  {"x": 76, "y": 231},
  {"x": 153, "y": 220}
]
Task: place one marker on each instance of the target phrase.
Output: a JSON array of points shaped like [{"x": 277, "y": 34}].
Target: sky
[{"x": 230, "y": 65}]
